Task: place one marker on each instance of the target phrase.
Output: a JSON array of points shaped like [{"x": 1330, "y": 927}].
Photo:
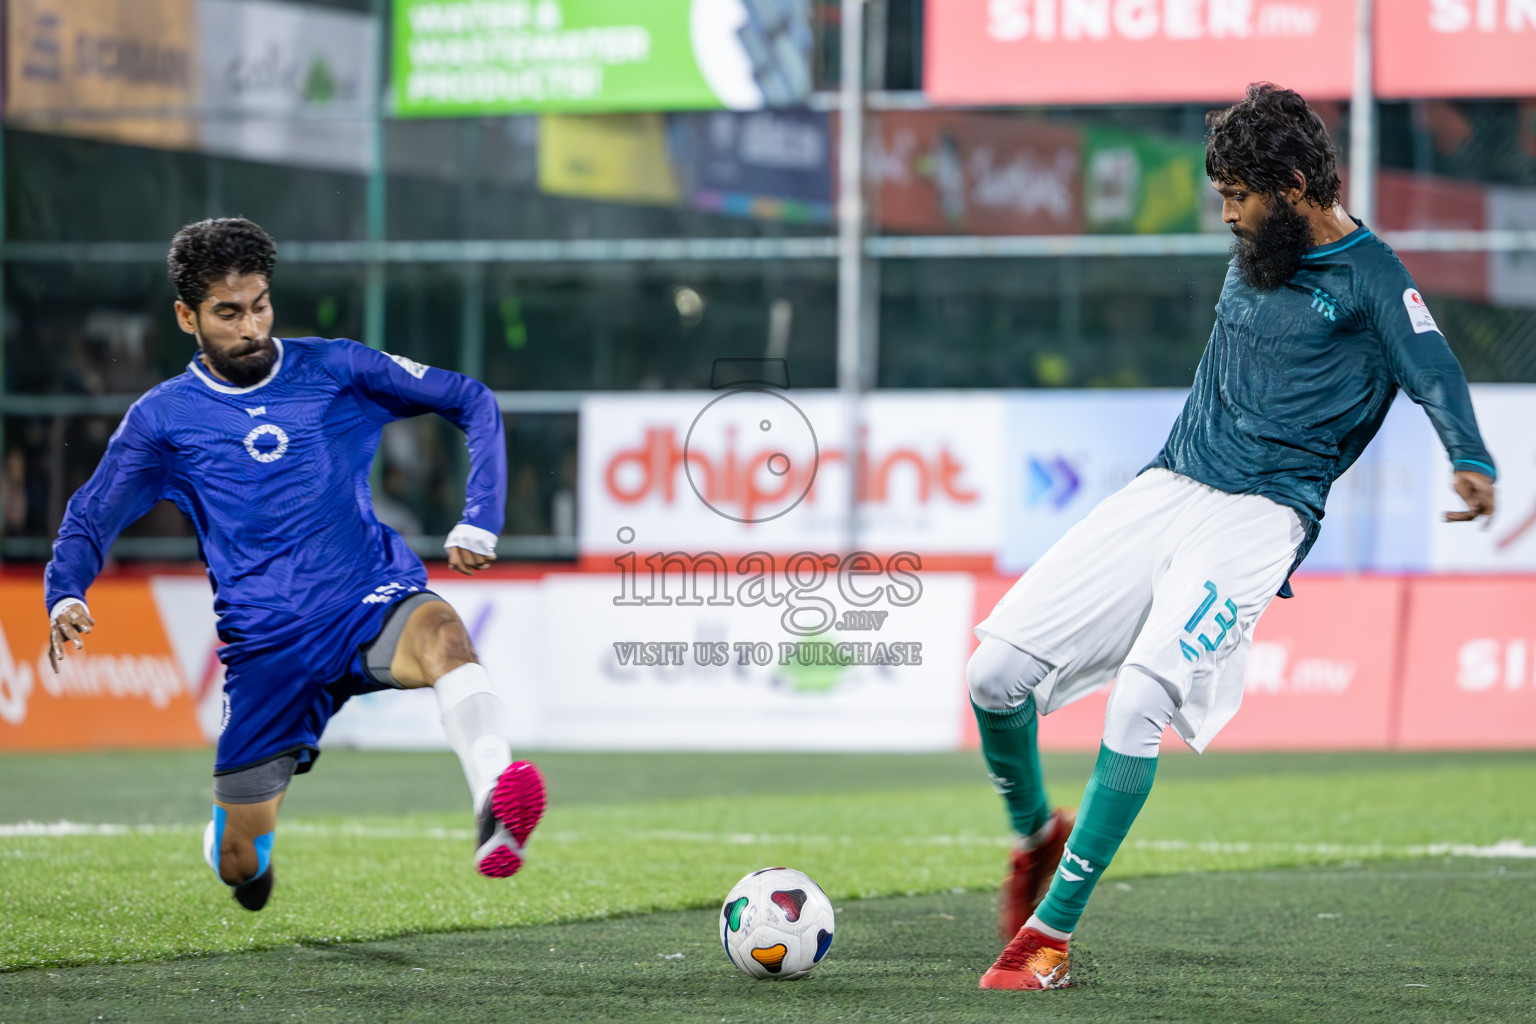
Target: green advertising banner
[
  {"x": 472, "y": 57},
  {"x": 1145, "y": 184}
]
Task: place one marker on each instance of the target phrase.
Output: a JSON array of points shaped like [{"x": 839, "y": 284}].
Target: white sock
[
  {"x": 472, "y": 719},
  {"x": 1046, "y": 930}
]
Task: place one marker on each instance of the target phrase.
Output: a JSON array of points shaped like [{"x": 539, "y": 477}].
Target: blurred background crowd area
[{"x": 630, "y": 233}]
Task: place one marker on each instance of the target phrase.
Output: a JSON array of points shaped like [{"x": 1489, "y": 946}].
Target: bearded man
[
  {"x": 265, "y": 444},
  {"x": 1159, "y": 587}
]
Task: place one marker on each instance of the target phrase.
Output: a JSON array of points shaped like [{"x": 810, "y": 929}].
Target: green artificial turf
[
  {"x": 373, "y": 845},
  {"x": 1433, "y": 940}
]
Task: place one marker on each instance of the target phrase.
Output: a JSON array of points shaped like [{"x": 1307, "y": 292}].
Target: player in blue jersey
[
  {"x": 1159, "y": 587},
  {"x": 265, "y": 445}
]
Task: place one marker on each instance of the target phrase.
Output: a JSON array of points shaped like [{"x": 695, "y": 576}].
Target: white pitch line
[
  {"x": 1504, "y": 848},
  {"x": 1512, "y": 849},
  {"x": 33, "y": 829}
]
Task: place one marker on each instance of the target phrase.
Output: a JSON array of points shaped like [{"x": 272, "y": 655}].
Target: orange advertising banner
[
  {"x": 126, "y": 689},
  {"x": 1429, "y": 48},
  {"x": 1469, "y": 676},
  {"x": 1135, "y": 51}
]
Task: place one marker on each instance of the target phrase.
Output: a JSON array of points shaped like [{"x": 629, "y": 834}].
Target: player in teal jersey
[{"x": 1318, "y": 326}]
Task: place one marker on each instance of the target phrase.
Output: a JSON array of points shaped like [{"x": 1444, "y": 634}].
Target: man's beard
[
  {"x": 248, "y": 366},
  {"x": 1270, "y": 256}
]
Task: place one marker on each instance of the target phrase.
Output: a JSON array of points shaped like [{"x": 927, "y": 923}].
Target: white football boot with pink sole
[{"x": 511, "y": 810}]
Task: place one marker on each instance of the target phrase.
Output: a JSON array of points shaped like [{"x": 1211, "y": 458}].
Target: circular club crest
[{"x": 266, "y": 454}]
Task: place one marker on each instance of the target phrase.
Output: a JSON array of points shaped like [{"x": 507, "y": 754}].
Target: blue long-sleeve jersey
[{"x": 274, "y": 479}]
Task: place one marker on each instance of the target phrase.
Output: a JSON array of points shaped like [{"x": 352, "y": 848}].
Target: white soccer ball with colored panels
[{"x": 776, "y": 923}]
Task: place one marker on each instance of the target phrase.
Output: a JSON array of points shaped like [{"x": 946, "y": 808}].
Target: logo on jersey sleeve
[
  {"x": 410, "y": 366},
  {"x": 1418, "y": 313},
  {"x": 266, "y": 443}
]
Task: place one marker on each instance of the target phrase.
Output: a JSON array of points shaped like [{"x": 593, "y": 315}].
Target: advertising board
[
  {"x": 126, "y": 689},
  {"x": 1428, "y": 48},
  {"x": 619, "y": 158},
  {"x": 287, "y": 83},
  {"x": 965, "y": 173},
  {"x": 1142, "y": 51},
  {"x": 1469, "y": 670},
  {"x": 630, "y": 675},
  {"x": 473, "y": 57},
  {"x": 1068, "y": 450},
  {"x": 768, "y": 165},
  {"x": 856, "y": 654},
  {"x": 1135, "y": 183},
  {"x": 766, "y": 470},
  {"x": 122, "y": 70},
  {"x": 624, "y": 661}
]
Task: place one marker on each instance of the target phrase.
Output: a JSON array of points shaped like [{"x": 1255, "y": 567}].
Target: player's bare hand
[
  {"x": 468, "y": 562},
  {"x": 1476, "y": 489},
  {"x": 68, "y": 627}
]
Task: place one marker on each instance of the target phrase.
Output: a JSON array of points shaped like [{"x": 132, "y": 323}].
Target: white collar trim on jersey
[{"x": 230, "y": 389}]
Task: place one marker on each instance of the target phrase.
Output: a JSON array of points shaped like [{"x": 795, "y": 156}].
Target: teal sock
[
  {"x": 1117, "y": 789},
  {"x": 1013, "y": 759}
]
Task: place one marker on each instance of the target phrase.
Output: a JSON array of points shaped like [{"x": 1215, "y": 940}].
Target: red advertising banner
[
  {"x": 1321, "y": 668},
  {"x": 989, "y": 174},
  {"x": 1144, "y": 51},
  {"x": 1469, "y": 676},
  {"x": 1319, "y": 675},
  {"x": 1427, "y": 48}
]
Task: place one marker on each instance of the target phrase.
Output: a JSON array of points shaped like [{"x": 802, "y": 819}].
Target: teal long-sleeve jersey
[{"x": 1296, "y": 381}]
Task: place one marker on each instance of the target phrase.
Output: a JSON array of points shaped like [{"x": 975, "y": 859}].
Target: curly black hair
[
  {"x": 210, "y": 250},
  {"x": 1259, "y": 142}
]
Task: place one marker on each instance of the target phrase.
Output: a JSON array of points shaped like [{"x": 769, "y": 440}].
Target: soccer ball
[{"x": 776, "y": 923}]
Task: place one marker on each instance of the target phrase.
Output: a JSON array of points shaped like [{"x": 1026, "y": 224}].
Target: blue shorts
[{"x": 278, "y": 696}]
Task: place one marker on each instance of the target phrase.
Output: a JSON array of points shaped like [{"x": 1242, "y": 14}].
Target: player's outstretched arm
[
  {"x": 400, "y": 388},
  {"x": 1425, "y": 368},
  {"x": 127, "y": 483}
]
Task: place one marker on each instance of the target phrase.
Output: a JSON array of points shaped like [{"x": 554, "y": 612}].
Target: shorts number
[{"x": 1192, "y": 653}]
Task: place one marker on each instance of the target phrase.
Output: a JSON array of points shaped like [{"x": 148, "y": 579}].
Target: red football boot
[
  {"x": 511, "y": 811},
  {"x": 1029, "y": 876},
  {"x": 1033, "y": 961}
]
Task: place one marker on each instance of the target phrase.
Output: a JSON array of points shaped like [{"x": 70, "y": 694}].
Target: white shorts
[{"x": 1166, "y": 575}]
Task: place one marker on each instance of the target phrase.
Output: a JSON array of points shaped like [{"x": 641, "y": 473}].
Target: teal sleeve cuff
[{"x": 1481, "y": 467}]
